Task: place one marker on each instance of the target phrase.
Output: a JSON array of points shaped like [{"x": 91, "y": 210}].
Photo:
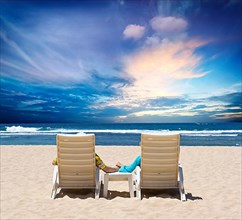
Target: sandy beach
[{"x": 212, "y": 184}]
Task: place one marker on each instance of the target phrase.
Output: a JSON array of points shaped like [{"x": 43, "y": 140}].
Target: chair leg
[
  {"x": 181, "y": 184},
  {"x": 137, "y": 182},
  {"x": 98, "y": 184},
  {"x": 97, "y": 191},
  {"x": 182, "y": 193},
  {"x": 54, "y": 182},
  {"x": 138, "y": 194},
  {"x": 54, "y": 191},
  {"x": 105, "y": 187},
  {"x": 52, "y": 196},
  {"x": 131, "y": 186}
]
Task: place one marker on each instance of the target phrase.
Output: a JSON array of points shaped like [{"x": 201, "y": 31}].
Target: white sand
[{"x": 212, "y": 183}]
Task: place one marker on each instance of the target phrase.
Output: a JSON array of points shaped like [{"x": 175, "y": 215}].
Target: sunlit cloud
[
  {"x": 134, "y": 31},
  {"x": 168, "y": 112},
  {"x": 161, "y": 70}
]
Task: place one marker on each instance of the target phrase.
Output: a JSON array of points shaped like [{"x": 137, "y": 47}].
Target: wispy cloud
[
  {"x": 60, "y": 56},
  {"x": 231, "y": 116},
  {"x": 34, "y": 102},
  {"x": 18, "y": 50},
  {"x": 211, "y": 108},
  {"x": 40, "y": 63}
]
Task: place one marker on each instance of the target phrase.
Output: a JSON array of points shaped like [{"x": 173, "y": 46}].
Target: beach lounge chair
[
  {"x": 160, "y": 168},
  {"x": 76, "y": 164}
]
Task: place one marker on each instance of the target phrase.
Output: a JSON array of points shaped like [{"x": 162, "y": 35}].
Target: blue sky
[{"x": 121, "y": 61}]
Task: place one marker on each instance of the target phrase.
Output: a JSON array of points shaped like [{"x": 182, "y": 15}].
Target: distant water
[{"x": 192, "y": 134}]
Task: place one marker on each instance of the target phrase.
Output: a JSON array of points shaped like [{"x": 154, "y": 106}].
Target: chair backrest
[
  {"x": 160, "y": 158},
  {"x": 76, "y": 161}
]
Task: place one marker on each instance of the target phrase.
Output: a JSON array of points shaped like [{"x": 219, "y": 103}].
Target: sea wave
[
  {"x": 16, "y": 129},
  {"x": 19, "y": 130}
]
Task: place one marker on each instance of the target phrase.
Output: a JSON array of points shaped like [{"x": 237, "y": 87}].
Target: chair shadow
[
  {"x": 113, "y": 194},
  {"x": 149, "y": 193},
  {"x": 191, "y": 197},
  {"x": 76, "y": 193},
  {"x": 168, "y": 193},
  {"x": 146, "y": 193}
]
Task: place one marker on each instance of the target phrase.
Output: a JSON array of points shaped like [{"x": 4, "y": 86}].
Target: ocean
[{"x": 192, "y": 134}]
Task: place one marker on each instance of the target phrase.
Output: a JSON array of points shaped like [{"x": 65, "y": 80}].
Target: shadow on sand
[
  {"x": 75, "y": 193},
  {"x": 89, "y": 193},
  {"x": 149, "y": 193}
]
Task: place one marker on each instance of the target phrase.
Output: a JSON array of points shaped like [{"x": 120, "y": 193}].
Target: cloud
[
  {"x": 230, "y": 98},
  {"x": 185, "y": 108},
  {"x": 230, "y": 116},
  {"x": 18, "y": 50},
  {"x": 235, "y": 88},
  {"x": 168, "y": 25},
  {"x": 51, "y": 49},
  {"x": 39, "y": 64},
  {"x": 162, "y": 70},
  {"x": 34, "y": 102},
  {"x": 166, "y": 113},
  {"x": 31, "y": 103},
  {"x": 168, "y": 101},
  {"x": 134, "y": 31}
]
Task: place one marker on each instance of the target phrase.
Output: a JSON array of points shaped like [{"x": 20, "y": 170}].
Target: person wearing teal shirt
[{"x": 130, "y": 168}]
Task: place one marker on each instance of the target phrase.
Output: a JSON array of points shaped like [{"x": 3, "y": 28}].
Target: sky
[{"x": 121, "y": 61}]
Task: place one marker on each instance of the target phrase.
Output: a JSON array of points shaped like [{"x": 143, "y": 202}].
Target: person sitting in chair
[
  {"x": 99, "y": 164},
  {"x": 129, "y": 168}
]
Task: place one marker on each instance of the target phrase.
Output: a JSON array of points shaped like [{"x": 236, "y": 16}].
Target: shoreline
[
  {"x": 51, "y": 145},
  {"x": 212, "y": 184}
]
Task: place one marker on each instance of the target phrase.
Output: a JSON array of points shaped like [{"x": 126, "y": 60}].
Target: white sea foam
[
  {"x": 210, "y": 134},
  {"x": 19, "y": 130}
]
